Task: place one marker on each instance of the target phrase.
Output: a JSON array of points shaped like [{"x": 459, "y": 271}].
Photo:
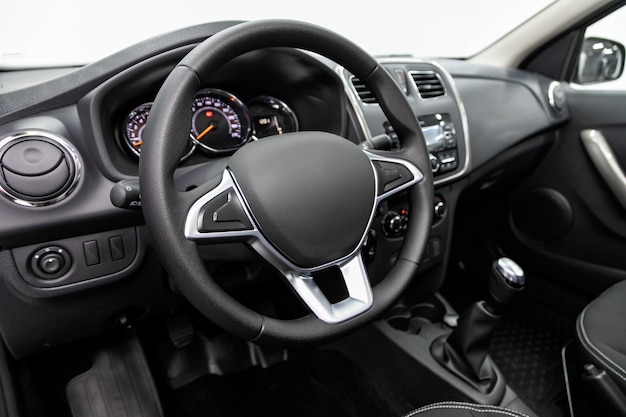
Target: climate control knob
[{"x": 393, "y": 224}]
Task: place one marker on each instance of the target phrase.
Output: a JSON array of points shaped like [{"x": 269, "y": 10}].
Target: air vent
[
  {"x": 428, "y": 83},
  {"x": 37, "y": 168},
  {"x": 365, "y": 93}
]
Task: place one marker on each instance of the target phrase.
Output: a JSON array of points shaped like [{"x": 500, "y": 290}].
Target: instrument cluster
[{"x": 220, "y": 122}]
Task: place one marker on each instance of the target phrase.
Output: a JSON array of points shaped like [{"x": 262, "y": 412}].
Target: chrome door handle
[{"x": 605, "y": 161}]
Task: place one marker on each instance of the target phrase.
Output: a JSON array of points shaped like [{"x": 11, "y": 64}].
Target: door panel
[{"x": 564, "y": 220}]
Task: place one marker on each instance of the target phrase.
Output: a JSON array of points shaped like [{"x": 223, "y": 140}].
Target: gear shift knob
[{"x": 506, "y": 281}]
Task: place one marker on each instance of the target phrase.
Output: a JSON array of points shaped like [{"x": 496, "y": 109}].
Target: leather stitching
[
  {"x": 595, "y": 352},
  {"x": 478, "y": 408}
]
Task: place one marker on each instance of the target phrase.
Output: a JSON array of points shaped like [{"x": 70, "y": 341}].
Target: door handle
[{"x": 605, "y": 161}]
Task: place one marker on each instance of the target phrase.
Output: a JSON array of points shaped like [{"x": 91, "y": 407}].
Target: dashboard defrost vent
[
  {"x": 428, "y": 84},
  {"x": 365, "y": 93}
]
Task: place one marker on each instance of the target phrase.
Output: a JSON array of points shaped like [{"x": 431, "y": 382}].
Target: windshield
[{"x": 50, "y": 33}]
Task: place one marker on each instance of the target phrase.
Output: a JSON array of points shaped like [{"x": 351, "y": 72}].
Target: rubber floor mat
[
  {"x": 315, "y": 384},
  {"x": 526, "y": 346},
  {"x": 119, "y": 383}
]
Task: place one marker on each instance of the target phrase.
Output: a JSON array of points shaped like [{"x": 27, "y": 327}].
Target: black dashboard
[{"x": 69, "y": 253}]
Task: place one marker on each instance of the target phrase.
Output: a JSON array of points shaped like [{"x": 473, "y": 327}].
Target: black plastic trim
[{"x": 79, "y": 276}]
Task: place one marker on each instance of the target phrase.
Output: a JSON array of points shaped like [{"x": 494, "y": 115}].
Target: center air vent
[
  {"x": 365, "y": 93},
  {"x": 428, "y": 83},
  {"x": 37, "y": 168}
]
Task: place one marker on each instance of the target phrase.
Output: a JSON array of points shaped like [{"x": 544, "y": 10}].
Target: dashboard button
[
  {"x": 434, "y": 163},
  {"x": 92, "y": 253}
]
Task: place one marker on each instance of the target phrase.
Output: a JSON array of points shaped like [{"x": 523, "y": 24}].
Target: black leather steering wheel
[{"x": 303, "y": 201}]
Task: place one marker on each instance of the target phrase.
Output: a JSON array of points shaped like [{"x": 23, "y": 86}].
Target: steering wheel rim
[{"x": 166, "y": 209}]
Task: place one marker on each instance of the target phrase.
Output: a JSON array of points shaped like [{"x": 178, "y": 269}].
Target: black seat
[
  {"x": 601, "y": 333},
  {"x": 598, "y": 383},
  {"x": 458, "y": 409}
]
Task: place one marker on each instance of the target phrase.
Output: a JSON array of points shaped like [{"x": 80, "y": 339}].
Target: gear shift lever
[
  {"x": 465, "y": 350},
  {"x": 506, "y": 281}
]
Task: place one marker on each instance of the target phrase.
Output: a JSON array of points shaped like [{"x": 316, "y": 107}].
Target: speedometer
[{"x": 220, "y": 121}]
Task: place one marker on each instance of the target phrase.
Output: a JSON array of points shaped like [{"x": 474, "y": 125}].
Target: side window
[{"x": 601, "y": 56}]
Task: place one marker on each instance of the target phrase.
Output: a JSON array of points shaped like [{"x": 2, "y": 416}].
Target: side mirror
[{"x": 599, "y": 60}]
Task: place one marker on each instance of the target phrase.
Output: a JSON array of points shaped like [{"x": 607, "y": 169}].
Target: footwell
[{"x": 315, "y": 383}]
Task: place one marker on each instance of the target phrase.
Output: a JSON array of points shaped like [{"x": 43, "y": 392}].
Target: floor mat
[
  {"x": 526, "y": 346},
  {"x": 314, "y": 384}
]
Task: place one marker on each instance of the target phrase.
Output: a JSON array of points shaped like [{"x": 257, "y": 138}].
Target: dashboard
[{"x": 72, "y": 250}]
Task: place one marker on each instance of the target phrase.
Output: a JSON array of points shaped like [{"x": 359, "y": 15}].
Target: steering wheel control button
[
  {"x": 391, "y": 175},
  {"x": 50, "y": 262},
  {"x": 38, "y": 168},
  {"x": 223, "y": 213},
  {"x": 92, "y": 252}
]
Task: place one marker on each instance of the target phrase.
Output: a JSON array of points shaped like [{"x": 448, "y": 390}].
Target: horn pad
[{"x": 311, "y": 194}]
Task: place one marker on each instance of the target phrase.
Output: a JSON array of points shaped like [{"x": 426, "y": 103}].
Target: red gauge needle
[
  {"x": 137, "y": 144},
  {"x": 205, "y": 131}
]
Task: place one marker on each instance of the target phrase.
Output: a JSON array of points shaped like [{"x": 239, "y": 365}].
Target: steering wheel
[{"x": 303, "y": 201}]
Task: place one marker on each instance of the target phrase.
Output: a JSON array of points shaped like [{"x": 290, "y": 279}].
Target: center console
[{"x": 432, "y": 353}]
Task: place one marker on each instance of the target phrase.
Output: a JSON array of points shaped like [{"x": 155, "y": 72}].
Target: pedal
[{"x": 180, "y": 329}]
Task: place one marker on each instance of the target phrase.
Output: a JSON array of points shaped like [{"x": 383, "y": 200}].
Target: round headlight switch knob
[{"x": 50, "y": 262}]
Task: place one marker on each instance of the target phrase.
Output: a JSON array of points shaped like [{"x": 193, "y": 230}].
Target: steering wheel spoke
[
  {"x": 219, "y": 214},
  {"x": 354, "y": 276},
  {"x": 393, "y": 175}
]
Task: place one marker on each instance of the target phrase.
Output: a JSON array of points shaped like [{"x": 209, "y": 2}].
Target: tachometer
[
  {"x": 133, "y": 128},
  {"x": 220, "y": 121}
]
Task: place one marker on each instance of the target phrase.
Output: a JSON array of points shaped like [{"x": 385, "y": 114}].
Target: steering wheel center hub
[{"x": 311, "y": 194}]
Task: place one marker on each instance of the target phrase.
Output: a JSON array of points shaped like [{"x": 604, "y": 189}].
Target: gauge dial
[
  {"x": 272, "y": 116},
  {"x": 134, "y": 125},
  {"x": 220, "y": 121}
]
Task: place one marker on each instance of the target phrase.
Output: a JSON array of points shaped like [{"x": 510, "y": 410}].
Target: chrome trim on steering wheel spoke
[
  {"x": 351, "y": 266},
  {"x": 359, "y": 298},
  {"x": 192, "y": 231}
]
